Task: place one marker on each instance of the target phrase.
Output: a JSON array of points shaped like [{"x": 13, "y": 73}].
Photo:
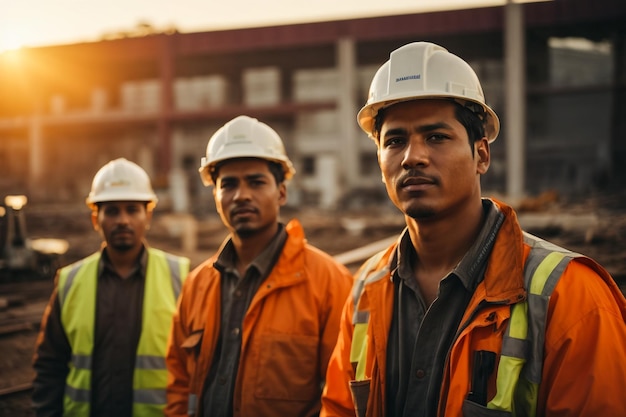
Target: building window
[
  {"x": 368, "y": 165},
  {"x": 308, "y": 166}
]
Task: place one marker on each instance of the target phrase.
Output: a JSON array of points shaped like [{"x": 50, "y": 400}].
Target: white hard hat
[
  {"x": 121, "y": 180},
  {"x": 423, "y": 70},
  {"x": 244, "y": 137}
]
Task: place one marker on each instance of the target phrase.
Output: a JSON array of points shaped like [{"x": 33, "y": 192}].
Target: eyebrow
[
  {"x": 420, "y": 129},
  {"x": 246, "y": 177}
]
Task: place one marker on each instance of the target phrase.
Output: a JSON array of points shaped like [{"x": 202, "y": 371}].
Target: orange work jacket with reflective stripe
[
  {"x": 288, "y": 334},
  {"x": 584, "y": 370}
]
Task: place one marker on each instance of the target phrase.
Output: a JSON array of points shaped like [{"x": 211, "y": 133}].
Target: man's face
[
  {"x": 247, "y": 196},
  {"x": 427, "y": 164},
  {"x": 122, "y": 224}
]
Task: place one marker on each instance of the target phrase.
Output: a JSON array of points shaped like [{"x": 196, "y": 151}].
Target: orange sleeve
[
  {"x": 178, "y": 378},
  {"x": 336, "y": 295},
  {"x": 584, "y": 370},
  {"x": 336, "y": 397}
]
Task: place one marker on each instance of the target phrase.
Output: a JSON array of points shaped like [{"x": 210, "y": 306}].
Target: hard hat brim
[{"x": 367, "y": 114}]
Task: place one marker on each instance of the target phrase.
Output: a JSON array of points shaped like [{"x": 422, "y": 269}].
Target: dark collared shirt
[
  {"x": 237, "y": 293},
  {"x": 118, "y": 327},
  {"x": 421, "y": 336}
]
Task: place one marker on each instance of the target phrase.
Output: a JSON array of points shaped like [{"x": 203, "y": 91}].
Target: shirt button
[
  {"x": 221, "y": 380},
  {"x": 235, "y": 331},
  {"x": 238, "y": 294},
  {"x": 420, "y": 374}
]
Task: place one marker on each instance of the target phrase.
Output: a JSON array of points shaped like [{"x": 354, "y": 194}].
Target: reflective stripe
[
  {"x": 192, "y": 404},
  {"x": 174, "y": 266},
  {"x": 523, "y": 342},
  {"x": 68, "y": 282},
  {"x": 545, "y": 268},
  {"x": 78, "y": 395},
  {"x": 358, "y": 350},
  {"x": 509, "y": 369},
  {"x": 81, "y": 361},
  {"x": 360, "y": 318},
  {"x": 149, "y": 396},
  {"x": 512, "y": 358},
  {"x": 149, "y": 362},
  {"x": 538, "y": 301}
]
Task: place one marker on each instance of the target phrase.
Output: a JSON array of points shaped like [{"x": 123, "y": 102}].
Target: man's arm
[
  {"x": 178, "y": 378},
  {"x": 336, "y": 398},
  {"x": 584, "y": 370},
  {"x": 52, "y": 355}
]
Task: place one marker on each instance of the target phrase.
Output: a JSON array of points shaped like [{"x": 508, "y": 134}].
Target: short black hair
[{"x": 275, "y": 168}]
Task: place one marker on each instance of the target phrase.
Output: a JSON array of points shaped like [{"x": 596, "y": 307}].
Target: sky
[{"x": 27, "y": 23}]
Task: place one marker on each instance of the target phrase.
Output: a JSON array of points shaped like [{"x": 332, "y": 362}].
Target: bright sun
[{"x": 11, "y": 38}]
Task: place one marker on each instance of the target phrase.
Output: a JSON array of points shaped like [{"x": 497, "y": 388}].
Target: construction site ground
[{"x": 594, "y": 226}]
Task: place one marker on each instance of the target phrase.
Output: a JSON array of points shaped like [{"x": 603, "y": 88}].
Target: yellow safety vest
[
  {"x": 520, "y": 367},
  {"x": 165, "y": 274}
]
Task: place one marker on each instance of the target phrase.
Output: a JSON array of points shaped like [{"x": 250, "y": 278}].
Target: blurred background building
[{"x": 156, "y": 98}]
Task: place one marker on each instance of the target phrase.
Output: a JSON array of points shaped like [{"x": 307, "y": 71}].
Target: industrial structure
[{"x": 156, "y": 99}]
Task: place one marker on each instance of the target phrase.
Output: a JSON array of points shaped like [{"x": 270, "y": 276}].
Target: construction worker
[
  {"x": 466, "y": 315},
  {"x": 258, "y": 320},
  {"x": 101, "y": 349}
]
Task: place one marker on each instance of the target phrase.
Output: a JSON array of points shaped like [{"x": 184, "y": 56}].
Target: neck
[
  {"x": 249, "y": 247},
  {"x": 442, "y": 243},
  {"x": 123, "y": 261}
]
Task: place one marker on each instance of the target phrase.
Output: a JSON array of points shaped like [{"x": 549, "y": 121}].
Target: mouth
[
  {"x": 122, "y": 232},
  {"x": 418, "y": 183},
  {"x": 242, "y": 211}
]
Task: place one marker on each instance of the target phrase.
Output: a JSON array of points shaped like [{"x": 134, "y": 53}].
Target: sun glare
[{"x": 10, "y": 39}]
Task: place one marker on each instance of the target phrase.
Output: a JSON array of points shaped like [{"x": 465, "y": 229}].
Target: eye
[
  {"x": 111, "y": 211},
  {"x": 227, "y": 185},
  {"x": 437, "y": 137},
  {"x": 394, "y": 141},
  {"x": 257, "y": 182}
]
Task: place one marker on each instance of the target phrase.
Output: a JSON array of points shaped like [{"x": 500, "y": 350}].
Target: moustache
[
  {"x": 242, "y": 209},
  {"x": 416, "y": 173},
  {"x": 121, "y": 230}
]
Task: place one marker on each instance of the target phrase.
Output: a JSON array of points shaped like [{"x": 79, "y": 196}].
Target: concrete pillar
[
  {"x": 37, "y": 155},
  {"x": 348, "y": 147},
  {"x": 327, "y": 179},
  {"x": 515, "y": 99}
]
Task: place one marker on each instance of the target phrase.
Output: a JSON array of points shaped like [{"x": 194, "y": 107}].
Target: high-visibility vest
[
  {"x": 520, "y": 367},
  {"x": 165, "y": 274}
]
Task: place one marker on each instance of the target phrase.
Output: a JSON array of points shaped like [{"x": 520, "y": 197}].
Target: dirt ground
[{"x": 595, "y": 227}]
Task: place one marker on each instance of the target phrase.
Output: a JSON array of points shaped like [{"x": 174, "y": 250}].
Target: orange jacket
[
  {"x": 584, "y": 370},
  {"x": 288, "y": 334}
]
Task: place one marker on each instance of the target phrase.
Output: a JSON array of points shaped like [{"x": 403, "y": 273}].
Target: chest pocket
[{"x": 287, "y": 368}]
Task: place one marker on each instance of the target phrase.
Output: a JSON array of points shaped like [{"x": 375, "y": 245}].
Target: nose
[
  {"x": 123, "y": 217},
  {"x": 416, "y": 154},
  {"x": 242, "y": 193}
]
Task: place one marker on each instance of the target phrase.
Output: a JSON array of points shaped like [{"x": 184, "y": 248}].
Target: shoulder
[
  {"x": 586, "y": 286},
  {"x": 203, "y": 273},
  {"x": 75, "y": 266},
  {"x": 168, "y": 256}
]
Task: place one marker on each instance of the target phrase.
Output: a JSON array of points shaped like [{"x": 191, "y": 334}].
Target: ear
[
  {"x": 218, "y": 206},
  {"x": 282, "y": 194},
  {"x": 94, "y": 220},
  {"x": 148, "y": 218},
  {"x": 382, "y": 176},
  {"x": 482, "y": 153}
]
